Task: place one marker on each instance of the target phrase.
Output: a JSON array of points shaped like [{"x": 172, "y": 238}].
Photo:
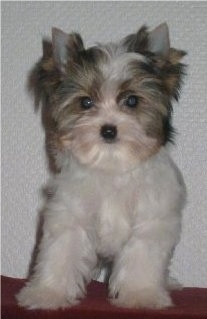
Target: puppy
[{"x": 117, "y": 195}]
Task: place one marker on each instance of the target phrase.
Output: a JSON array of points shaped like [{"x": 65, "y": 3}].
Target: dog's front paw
[
  {"x": 146, "y": 298},
  {"x": 38, "y": 297}
]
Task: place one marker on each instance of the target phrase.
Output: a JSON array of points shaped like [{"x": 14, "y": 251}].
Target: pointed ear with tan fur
[
  {"x": 167, "y": 60},
  {"x": 65, "y": 47}
]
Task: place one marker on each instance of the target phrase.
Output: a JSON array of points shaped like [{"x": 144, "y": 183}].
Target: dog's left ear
[
  {"x": 65, "y": 47},
  {"x": 159, "y": 41},
  {"x": 168, "y": 59}
]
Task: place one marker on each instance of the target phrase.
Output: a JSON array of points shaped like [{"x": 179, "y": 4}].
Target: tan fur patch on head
[{"x": 175, "y": 55}]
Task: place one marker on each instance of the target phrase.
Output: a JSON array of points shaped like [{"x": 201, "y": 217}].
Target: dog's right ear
[
  {"x": 65, "y": 47},
  {"x": 159, "y": 40}
]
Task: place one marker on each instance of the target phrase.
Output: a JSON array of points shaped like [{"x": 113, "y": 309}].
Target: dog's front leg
[
  {"x": 139, "y": 274},
  {"x": 64, "y": 265}
]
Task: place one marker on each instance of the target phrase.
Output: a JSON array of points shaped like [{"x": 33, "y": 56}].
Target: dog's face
[{"x": 112, "y": 103}]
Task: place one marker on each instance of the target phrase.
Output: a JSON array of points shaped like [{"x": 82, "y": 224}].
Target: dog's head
[{"x": 111, "y": 103}]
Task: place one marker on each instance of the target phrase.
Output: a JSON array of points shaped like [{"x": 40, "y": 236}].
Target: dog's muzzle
[{"x": 109, "y": 133}]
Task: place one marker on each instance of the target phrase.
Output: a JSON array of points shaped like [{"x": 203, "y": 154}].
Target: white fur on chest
[
  {"x": 111, "y": 206},
  {"x": 113, "y": 220}
]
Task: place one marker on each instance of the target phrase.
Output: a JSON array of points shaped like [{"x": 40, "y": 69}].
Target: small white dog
[{"x": 117, "y": 196}]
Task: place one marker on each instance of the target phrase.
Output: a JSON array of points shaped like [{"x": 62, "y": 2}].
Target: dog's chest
[{"x": 114, "y": 218}]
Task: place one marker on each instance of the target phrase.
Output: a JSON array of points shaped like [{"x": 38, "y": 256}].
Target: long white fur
[{"x": 133, "y": 217}]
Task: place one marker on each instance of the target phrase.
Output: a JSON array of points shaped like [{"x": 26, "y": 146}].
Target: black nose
[{"x": 108, "y": 132}]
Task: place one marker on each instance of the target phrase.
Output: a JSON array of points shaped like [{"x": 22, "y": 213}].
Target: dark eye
[
  {"x": 86, "y": 102},
  {"x": 132, "y": 101}
]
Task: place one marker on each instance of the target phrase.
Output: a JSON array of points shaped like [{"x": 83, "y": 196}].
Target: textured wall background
[{"x": 24, "y": 165}]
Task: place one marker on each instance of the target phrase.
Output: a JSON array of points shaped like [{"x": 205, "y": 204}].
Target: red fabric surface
[{"x": 189, "y": 303}]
